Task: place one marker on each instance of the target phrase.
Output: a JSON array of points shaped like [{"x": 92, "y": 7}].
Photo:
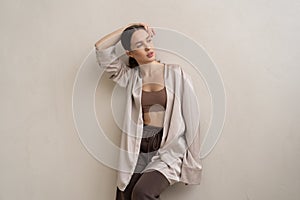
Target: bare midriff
[{"x": 154, "y": 119}]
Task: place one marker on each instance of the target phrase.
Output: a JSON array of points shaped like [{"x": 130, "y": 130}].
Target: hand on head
[{"x": 149, "y": 29}]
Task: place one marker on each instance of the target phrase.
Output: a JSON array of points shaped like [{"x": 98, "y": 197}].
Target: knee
[{"x": 138, "y": 193}]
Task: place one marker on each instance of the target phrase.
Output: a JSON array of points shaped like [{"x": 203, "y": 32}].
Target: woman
[{"x": 160, "y": 142}]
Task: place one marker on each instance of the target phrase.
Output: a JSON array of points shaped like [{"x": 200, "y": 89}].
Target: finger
[{"x": 151, "y": 32}]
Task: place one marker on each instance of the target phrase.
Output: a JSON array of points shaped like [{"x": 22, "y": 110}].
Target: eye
[{"x": 149, "y": 40}]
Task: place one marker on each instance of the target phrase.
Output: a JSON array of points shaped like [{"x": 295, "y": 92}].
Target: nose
[{"x": 147, "y": 48}]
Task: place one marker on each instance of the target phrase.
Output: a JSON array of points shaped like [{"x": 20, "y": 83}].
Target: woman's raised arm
[
  {"x": 114, "y": 37},
  {"x": 107, "y": 58},
  {"x": 110, "y": 39}
]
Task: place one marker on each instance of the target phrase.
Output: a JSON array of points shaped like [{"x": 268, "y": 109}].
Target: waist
[
  {"x": 152, "y": 136},
  {"x": 150, "y": 130}
]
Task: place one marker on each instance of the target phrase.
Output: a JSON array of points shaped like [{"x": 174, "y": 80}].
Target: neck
[{"x": 149, "y": 68}]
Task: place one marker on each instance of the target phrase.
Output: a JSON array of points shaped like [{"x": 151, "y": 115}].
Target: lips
[{"x": 150, "y": 54}]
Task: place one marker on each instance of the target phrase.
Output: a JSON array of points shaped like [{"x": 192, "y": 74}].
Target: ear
[{"x": 129, "y": 53}]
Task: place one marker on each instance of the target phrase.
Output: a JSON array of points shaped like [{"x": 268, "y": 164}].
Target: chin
[
  {"x": 148, "y": 60},
  {"x": 152, "y": 58}
]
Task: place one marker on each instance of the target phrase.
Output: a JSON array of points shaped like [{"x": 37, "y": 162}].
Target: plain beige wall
[{"x": 254, "y": 43}]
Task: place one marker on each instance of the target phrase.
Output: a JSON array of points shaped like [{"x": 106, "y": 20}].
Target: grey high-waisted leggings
[{"x": 148, "y": 185}]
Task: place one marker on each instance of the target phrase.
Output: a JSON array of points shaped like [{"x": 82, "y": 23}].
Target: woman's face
[{"x": 141, "y": 47}]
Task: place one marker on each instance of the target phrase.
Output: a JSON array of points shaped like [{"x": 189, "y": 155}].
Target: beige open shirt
[{"x": 179, "y": 155}]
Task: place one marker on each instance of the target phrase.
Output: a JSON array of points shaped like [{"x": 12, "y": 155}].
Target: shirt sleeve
[{"x": 118, "y": 71}]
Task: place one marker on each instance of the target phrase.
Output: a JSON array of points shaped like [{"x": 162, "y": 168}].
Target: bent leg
[
  {"x": 126, "y": 194},
  {"x": 149, "y": 186}
]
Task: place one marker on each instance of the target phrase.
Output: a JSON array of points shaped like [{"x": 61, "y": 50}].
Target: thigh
[{"x": 151, "y": 183}]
